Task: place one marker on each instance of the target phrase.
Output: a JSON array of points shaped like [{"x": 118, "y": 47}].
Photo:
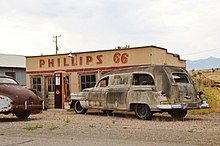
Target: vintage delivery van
[
  {"x": 18, "y": 100},
  {"x": 144, "y": 90}
]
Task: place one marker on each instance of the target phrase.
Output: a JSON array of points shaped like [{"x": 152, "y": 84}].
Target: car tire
[
  {"x": 22, "y": 114},
  {"x": 142, "y": 111},
  {"x": 178, "y": 114},
  {"x": 78, "y": 108}
]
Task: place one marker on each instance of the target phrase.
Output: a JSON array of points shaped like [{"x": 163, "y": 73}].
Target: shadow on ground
[
  {"x": 156, "y": 117},
  {"x": 14, "y": 119}
]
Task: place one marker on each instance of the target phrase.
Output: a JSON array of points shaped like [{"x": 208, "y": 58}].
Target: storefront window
[
  {"x": 51, "y": 84},
  {"x": 36, "y": 83},
  {"x": 87, "y": 81}
]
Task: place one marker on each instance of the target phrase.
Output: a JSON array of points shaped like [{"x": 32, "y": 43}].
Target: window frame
[
  {"x": 37, "y": 84},
  {"x": 85, "y": 82},
  {"x": 98, "y": 85},
  {"x": 122, "y": 79},
  {"x": 186, "y": 75},
  {"x": 142, "y": 73},
  {"x": 51, "y": 85}
]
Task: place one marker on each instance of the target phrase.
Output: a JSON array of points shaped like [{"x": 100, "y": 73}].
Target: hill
[{"x": 202, "y": 64}]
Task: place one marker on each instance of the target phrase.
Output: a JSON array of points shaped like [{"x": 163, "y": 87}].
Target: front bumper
[
  {"x": 191, "y": 105},
  {"x": 7, "y": 105}
]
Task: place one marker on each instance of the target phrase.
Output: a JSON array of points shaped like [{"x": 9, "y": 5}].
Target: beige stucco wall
[
  {"x": 74, "y": 82},
  {"x": 103, "y": 59}
]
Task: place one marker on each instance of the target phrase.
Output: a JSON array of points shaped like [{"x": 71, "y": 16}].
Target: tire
[
  {"x": 178, "y": 114},
  {"x": 78, "y": 108},
  {"x": 107, "y": 111},
  {"x": 22, "y": 114},
  {"x": 142, "y": 111}
]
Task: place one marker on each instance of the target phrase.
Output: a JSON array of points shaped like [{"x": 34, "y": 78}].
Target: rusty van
[
  {"x": 144, "y": 90},
  {"x": 18, "y": 100}
]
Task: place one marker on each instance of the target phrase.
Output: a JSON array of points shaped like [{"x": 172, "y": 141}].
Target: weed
[
  {"x": 66, "y": 121},
  {"x": 108, "y": 126},
  {"x": 125, "y": 127},
  {"x": 53, "y": 127},
  {"x": 92, "y": 126},
  {"x": 113, "y": 122},
  {"x": 191, "y": 130},
  {"x": 33, "y": 127}
]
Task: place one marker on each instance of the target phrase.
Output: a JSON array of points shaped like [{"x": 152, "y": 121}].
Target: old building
[
  {"x": 85, "y": 68},
  {"x": 14, "y": 66}
]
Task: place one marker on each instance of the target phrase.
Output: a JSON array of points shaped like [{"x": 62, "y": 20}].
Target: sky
[{"x": 190, "y": 28}]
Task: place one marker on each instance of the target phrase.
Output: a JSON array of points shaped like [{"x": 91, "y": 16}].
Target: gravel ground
[{"x": 59, "y": 127}]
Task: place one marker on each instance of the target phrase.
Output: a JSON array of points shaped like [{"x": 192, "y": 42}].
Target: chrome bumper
[{"x": 184, "y": 106}]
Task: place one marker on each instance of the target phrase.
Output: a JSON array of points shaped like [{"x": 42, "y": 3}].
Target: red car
[{"x": 18, "y": 100}]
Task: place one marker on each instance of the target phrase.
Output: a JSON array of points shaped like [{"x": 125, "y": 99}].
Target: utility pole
[{"x": 56, "y": 43}]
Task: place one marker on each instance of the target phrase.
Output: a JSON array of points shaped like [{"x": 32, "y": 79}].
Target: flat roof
[{"x": 15, "y": 61}]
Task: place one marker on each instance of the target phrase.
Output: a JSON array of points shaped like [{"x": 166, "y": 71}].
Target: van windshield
[{"x": 180, "y": 78}]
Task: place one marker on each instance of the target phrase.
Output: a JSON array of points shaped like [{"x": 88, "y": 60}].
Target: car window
[
  {"x": 121, "y": 79},
  {"x": 7, "y": 81},
  {"x": 142, "y": 79},
  {"x": 103, "y": 82},
  {"x": 180, "y": 78}
]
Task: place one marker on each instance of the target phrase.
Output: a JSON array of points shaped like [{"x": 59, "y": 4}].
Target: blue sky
[{"x": 186, "y": 27}]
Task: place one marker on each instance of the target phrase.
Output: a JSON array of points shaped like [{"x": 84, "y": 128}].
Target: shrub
[{"x": 212, "y": 96}]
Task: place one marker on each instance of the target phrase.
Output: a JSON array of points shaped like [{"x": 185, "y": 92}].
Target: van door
[
  {"x": 117, "y": 97},
  {"x": 97, "y": 96},
  {"x": 143, "y": 90},
  {"x": 118, "y": 90}
]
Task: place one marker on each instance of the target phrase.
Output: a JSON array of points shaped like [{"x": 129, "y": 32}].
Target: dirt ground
[{"x": 60, "y": 127}]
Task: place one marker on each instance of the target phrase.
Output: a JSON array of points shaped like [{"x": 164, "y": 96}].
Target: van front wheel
[
  {"x": 79, "y": 109},
  {"x": 142, "y": 111}
]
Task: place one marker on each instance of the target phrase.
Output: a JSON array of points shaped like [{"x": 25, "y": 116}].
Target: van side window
[
  {"x": 142, "y": 79},
  {"x": 180, "y": 78},
  {"x": 103, "y": 82},
  {"x": 120, "y": 79}
]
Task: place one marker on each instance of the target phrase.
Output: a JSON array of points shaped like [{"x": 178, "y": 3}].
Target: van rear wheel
[
  {"x": 178, "y": 114},
  {"x": 142, "y": 111},
  {"x": 79, "y": 109}
]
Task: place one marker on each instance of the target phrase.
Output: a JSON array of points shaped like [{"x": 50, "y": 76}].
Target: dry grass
[
  {"x": 204, "y": 81},
  {"x": 215, "y": 78},
  {"x": 212, "y": 96}
]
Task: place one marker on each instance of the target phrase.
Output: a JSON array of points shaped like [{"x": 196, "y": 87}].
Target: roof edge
[{"x": 176, "y": 55}]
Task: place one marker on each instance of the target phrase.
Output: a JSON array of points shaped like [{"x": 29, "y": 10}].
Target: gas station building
[{"x": 83, "y": 69}]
